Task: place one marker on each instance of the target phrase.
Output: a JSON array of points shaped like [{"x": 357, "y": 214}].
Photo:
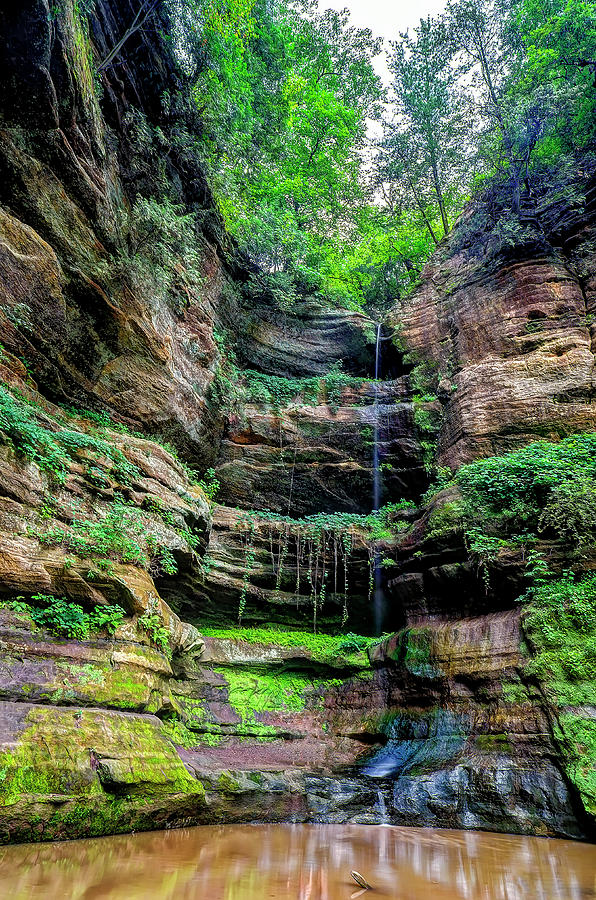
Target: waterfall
[
  {"x": 378, "y": 595},
  {"x": 376, "y": 474},
  {"x": 381, "y": 808}
]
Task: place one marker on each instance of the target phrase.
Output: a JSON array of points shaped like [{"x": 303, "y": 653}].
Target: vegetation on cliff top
[{"x": 488, "y": 101}]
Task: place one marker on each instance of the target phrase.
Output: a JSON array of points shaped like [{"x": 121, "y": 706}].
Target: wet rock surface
[{"x": 439, "y": 725}]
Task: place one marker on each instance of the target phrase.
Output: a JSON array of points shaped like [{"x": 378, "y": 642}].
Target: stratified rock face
[
  {"x": 469, "y": 742},
  {"x": 309, "y": 340},
  {"x": 256, "y": 559},
  {"x": 113, "y": 733},
  {"x": 308, "y": 459},
  {"x": 94, "y": 329},
  {"x": 510, "y": 336}
]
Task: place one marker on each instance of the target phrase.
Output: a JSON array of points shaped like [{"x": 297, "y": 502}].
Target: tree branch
[{"x": 146, "y": 9}]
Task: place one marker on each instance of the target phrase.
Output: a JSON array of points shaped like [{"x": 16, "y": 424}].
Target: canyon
[{"x": 126, "y": 399}]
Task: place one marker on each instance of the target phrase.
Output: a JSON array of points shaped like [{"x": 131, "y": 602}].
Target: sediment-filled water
[{"x": 301, "y": 862}]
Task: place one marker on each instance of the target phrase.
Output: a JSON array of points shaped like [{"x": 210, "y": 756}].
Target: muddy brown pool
[{"x": 301, "y": 862}]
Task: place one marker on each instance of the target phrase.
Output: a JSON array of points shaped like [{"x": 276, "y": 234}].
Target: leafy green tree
[
  {"x": 424, "y": 138},
  {"x": 492, "y": 100},
  {"x": 285, "y": 99},
  {"x": 557, "y": 51}
]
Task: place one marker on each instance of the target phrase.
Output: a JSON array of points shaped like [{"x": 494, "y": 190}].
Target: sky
[{"x": 386, "y": 18}]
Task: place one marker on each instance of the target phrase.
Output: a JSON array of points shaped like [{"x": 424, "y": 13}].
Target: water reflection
[{"x": 301, "y": 862}]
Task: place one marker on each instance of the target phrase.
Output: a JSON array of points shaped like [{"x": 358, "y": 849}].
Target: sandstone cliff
[{"x": 127, "y": 372}]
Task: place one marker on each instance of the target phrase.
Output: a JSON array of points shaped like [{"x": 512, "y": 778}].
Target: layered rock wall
[
  {"x": 509, "y": 334},
  {"x": 151, "y": 724}
]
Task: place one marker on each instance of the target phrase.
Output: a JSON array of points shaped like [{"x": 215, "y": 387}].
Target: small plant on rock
[{"x": 154, "y": 627}]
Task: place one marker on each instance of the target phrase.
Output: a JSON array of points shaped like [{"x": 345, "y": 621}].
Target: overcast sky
[{"x": 386, "y": 18}]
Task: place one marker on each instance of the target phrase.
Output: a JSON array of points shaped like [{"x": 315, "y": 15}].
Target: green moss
[
  {"x": 324, "y": 648},
  {"x": 55, "y": 753},
  {"x": 19, "y": 775},
  {"x": 251, "y": 693},
  {"x": 580, "y": 738},
  {"x": 494, "y": 743},
  {"x": 228, "y": 784},
  {"x": 107, "y": 686},
  {"x": 413, "y": 650},
  {"x": 444, "y": 520},
  {"x": 177, "y": 731}
]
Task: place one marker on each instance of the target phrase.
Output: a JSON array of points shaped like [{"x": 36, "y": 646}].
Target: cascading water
[
  {"x": 378, "y": 595},
  {"x": 381, "y": 808},
  {"x": 376, "y": 470}
]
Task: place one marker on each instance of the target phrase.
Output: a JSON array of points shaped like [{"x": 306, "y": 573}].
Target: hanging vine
[
  {"x": 249, "y": 558},
  {"x": 314, "y": 548}
]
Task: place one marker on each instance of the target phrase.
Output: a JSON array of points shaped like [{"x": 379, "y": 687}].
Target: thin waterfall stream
[
  {"x": 378, "y": 592},
  {"x": 376, "y": 470}
]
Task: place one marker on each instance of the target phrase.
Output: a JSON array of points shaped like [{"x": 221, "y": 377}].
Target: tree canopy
[{"x": 492, "y": 93}]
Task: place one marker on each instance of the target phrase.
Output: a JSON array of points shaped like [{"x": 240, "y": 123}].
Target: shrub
[
  {"x": 153, "y": 625},
  {"x": 123, "y": 535},
  {"x": 514, "y": 488},
  {"x": 49, "y": 444},
  {"x": 69, "y": 619},
  {"x": 210, "y": 484}
]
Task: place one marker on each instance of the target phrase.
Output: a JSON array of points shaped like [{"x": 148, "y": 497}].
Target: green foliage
[
  {"x": 210, "y": 484},
  {"x": 323, "y": 647},
  {"x": 427, "y": 419},
  {"x": 511, "y": 491},
  {"x": 235, "y": 388},
  {"x": 570, "y": 511},
  {"x": 559, "y": 38},
  {"x": 376, "y": 525},
  {"x": 153, "y": 625},
  {"x": 489, "y": 101},
  {"x": 424, "y": 151},
  {"x": 279, "y": 392},
  {"x": 560, "y": 625},
  {"x": 123, "y": 534},
  {"x": 543, "y": 489},
  {"x": 285, "y": 91},
  {"x": 52, "y": 446},
  {"x": 484, "y": 549},
  {"x": 354, "y": 643},
  {"x": 66, "y": 619},
  {"x": 108, "y": 617},
  {"x": 560, "y": 622}
]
